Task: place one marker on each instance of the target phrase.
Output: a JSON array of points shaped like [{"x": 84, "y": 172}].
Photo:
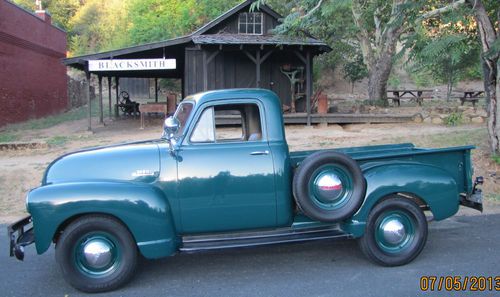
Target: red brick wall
[{"x": 33, "y": 81}]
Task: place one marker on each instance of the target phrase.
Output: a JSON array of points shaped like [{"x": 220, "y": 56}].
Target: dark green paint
[{"x": 161, "y": 195}]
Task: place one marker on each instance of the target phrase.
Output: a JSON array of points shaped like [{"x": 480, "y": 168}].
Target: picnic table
[
  {"x": 470, "y": 96},
  {"x": 416, "y": 94}
]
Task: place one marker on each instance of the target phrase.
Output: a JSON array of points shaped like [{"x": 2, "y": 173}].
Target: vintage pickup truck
[{"x": 221, "y": 176}]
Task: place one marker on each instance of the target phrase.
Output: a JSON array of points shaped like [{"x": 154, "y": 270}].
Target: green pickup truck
[{"x": 221, "y": 176}]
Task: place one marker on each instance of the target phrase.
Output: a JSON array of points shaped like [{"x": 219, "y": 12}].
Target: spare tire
[{"x": 329, "y": 186}]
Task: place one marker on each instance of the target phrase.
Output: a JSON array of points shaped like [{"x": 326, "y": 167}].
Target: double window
[
  {"x": 228, "y": 123},
  {"x": 250, "y": 23}
]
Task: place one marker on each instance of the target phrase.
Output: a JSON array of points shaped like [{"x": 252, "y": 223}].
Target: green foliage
[
  {"x": 355, "y": 70},
  {"x": 496, "y": 159},
  {"x": 454, "y": 119},
  {"x": 98, "y": 26},
  {"x": 394, "y": 81}
]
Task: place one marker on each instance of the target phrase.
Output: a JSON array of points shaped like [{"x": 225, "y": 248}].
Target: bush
[{"x": 454, "y": 119}]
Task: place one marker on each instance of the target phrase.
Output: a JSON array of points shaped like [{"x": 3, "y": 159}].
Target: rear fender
[
  {"x": 142, "y": 208},
  {"x": 431, "y": 184}
]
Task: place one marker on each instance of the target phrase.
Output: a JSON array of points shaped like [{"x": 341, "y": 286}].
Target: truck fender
[
  {"x": 433, "y": 185},
  {"x": 141, "y": 207}
]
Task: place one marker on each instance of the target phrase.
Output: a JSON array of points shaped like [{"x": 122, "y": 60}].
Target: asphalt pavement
[{"x": 459, "y": 246}]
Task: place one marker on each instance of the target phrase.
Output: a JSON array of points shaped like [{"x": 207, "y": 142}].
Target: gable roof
[
  {"x": 199, "y": 37},
  {"x": 231, "y": 12}
]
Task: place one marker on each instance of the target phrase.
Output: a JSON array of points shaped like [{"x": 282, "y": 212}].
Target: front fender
[
  {"x": 141, "y": 207},
  {"x": 431, "y": 184}
]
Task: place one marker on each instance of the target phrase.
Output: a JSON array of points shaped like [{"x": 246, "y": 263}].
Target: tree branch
[
  {"x": 308, "y": 14},
  {"x": 442, "y": 10}
]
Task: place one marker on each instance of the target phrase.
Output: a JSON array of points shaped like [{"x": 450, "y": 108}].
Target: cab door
[{"x": 226, "y": 173}]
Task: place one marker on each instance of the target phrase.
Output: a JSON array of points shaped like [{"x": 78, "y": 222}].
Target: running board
[{"x": 194, "y": 243}]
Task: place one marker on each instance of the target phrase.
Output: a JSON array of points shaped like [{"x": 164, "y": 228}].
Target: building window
[{"x": 250, "y": 23}]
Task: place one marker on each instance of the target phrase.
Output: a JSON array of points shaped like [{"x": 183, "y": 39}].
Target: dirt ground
[{"x": 23, "y": 169}]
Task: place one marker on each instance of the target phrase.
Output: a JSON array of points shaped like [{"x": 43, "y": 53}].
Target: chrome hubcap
[
  {"x": 394, "y": 231},
  {"x": 97, "y": 254},
  {"x": 328, "y": 187}
]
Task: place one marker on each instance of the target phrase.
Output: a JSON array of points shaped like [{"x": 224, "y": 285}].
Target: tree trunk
[
  {"x": 491, "y": 69},
  {"x": 378, "y": 48},
  {"x": 449, "y": 87},
  {"x": 377, "y": 79}
]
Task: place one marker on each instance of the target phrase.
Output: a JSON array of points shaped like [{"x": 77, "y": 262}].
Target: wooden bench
[{"x": 152, "y": 107}]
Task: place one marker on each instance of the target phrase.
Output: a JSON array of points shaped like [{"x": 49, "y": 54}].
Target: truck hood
[{"x": 139, "y": 161}]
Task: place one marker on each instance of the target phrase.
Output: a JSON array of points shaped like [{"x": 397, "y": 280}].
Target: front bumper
[{"x": 25, "y": 236}]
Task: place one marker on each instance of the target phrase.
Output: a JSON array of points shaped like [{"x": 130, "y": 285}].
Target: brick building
[{"x": 33, "y": 81}]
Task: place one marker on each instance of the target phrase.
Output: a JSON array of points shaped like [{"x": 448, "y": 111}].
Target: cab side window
[{"x": 228, "y": 123}]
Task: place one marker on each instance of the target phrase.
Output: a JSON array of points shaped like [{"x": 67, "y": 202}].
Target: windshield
[{"x": 182, "y": 114}]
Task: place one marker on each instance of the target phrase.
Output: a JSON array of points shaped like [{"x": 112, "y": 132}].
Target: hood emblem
[{"x": 143, "y": 172}]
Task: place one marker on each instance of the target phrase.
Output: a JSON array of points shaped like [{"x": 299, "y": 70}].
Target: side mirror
[{"x": 170, "y": 127}]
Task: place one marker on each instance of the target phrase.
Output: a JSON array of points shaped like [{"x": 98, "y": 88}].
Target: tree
[
  {"x": 377, "y": 26},
  {"x": 445, "y": 52},
  {"x": 355, "y": 70},
  {"x": 489, "y": 36},
  {"x": 155, "y": 20},
  {"x": 487, "y": 16}
]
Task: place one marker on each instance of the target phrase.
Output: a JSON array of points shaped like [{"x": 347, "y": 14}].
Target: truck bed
[{"x": 453, "y": 159}]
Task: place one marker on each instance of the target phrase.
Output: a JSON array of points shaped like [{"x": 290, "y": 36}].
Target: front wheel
[
  {"x": 396, "y": 232},
  {"x": 96, "y": 254}
]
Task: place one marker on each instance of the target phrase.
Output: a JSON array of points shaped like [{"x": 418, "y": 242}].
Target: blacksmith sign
[{"x": 131, "y": 64}]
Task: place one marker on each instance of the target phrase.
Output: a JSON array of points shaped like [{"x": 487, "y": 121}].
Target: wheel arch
[
  {"x": 142, "y": 208},
  {"x": 430, "y": 187}
]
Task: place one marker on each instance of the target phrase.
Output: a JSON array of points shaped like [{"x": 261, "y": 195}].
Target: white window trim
[{"x": 254, "y": 23}]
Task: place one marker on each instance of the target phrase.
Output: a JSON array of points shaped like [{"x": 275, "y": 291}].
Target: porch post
[
  {"x": 109, "y": 96},
  {"x": 257, "y": 68},
  {"x": 156, "y": 89},
  {"x": 117, "y": 83},
  {"x": 101, "y": 112},
  {"x": 308, "y": 86},
  {"x": 87, "y": 94}
]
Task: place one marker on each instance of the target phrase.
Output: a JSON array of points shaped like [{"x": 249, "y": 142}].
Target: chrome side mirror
[{"x": 170, "y": 127}]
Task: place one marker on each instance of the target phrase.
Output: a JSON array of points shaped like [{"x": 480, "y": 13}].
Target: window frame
[
  {"x": 254, "y": 23},
  {"x": 213, "y": 104}
]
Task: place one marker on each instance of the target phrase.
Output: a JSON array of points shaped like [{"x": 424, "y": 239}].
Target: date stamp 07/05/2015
[{"x": 460, "y": 283}]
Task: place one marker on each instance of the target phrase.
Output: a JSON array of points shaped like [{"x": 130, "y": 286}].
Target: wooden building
[{"x": 235, "y": 50}]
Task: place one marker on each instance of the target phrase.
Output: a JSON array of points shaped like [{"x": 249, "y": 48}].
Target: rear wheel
[
  {"x": 96, "y": 254},
  {"x": 396, "y": 232}
]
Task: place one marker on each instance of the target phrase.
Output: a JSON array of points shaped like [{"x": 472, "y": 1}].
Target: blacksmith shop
[{"x": 235, "y": 50}]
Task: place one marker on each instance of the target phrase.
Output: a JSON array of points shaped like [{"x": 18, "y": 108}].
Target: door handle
[{"x": 258, "y": 153}]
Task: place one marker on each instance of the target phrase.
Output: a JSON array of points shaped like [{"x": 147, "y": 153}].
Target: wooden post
[
  {"x": 308, "y": 86},
  {"x": 87, "y": 94},
  {"x": 156, "y": 89},
  {"x": 109, "y": 96},
  {"x": 257, "y": 69},
  {"x": 205, "y": 71},
  {"x": 117, "y": 84},
  {"x": 101, "y": 112}
]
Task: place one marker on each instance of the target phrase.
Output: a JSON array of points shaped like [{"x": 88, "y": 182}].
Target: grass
[
  {"x": 496, "y": 158},
  {"x": 52, "y": 120},
  {"x": 8, "y": 137},
  {"x": 475, "y": 137},
  {"x": 57, "y": 140}
]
